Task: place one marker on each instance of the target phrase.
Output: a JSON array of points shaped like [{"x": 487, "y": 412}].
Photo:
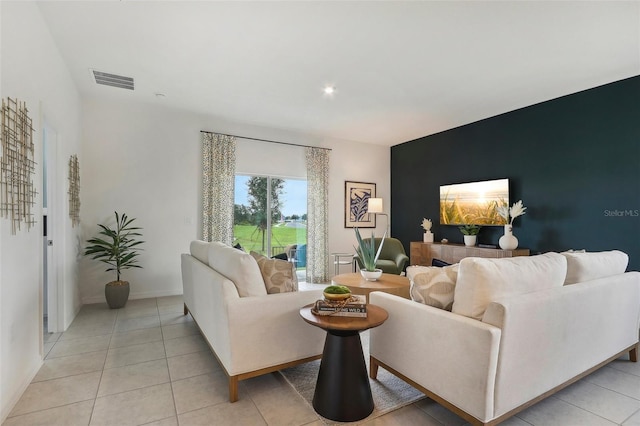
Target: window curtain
[
  {"x": 218, "y": 173},
  {"x": 317, "y": 160}
]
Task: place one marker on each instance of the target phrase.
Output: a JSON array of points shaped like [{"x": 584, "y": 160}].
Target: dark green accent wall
[{"x": 574, "y": 161}]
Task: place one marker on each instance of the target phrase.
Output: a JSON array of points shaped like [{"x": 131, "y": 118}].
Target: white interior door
[{"x": 50, "y": 209}]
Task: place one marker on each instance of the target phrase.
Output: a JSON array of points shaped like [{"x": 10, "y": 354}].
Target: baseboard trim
[
  {"x": 132, "y": 296},
  {"x": 13, "y": 399}
]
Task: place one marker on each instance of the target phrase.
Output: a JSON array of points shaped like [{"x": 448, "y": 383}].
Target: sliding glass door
[{"x": 270, "y": 216}]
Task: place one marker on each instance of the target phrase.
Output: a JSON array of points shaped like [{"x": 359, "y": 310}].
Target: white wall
[
  {"x": 33, "y": 71},
  {"x": 144, "y": 159}
]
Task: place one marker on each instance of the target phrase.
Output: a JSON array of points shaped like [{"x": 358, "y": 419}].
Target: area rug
[{"x": 389, "y": 392}]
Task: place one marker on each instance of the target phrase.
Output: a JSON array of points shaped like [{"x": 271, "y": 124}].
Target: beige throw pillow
[
  {"x": 239, "y": 267},
  {"x": 583, "y": 266},
  {"x": 434, "y": 286},
  {"x": 482, "y": 281},
  {"x": 279, "y": 275}
]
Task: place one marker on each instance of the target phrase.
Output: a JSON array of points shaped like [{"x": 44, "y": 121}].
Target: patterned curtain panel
[
  {"x": 218, "y": 174},
  {"x": 317, "y": 214}
]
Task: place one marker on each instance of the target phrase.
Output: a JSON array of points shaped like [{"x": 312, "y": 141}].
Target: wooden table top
[
  {"x": 375, "y": 316},
  {"x": 386, "y": 281}
]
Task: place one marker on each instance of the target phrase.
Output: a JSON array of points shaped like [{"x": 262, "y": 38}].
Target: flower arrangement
[
  {"x": 516, "y": 210},
  {"x": 426, "y": 225}
]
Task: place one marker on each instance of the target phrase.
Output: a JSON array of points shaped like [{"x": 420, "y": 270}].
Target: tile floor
[{"x": 147, "y": 364}]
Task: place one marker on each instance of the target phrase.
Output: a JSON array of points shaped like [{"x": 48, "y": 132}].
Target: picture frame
[{"x": 356, "y": 196}]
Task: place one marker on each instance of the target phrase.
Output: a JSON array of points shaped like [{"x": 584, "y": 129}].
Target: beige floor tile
[
  {"x": 616, "y": 380},
  {"x": 129, "y": 324},
  {"x": 409, "y": 415},
  {"x": 179, "y": 330},
  {"x": 598, "y": 400},
  {"x": 200, "y": 391},
  {"x": 122, "y": 379},
  {"x": 623, "y": 364},
  {"x": 170, "y": 300},
  {"x": 141, "y": 303},
  {"x": 168, "y": 309},
  {"x": 278, "y": 402},
  {"x": 195, "y": 364},
  {"x": 185, "y": 345},
  {"x": 553, "y": 411},
  {"x": 440, "y": 413},
  {"x": 77, "y": 414},
  {"x": 170, "y": 421},
  {"x": 135, "y": 337},
  {"x": 88, "y": 331},
  {"x": 242, "y": 412},
  {"x": 119, "y": 357},
  {"x": 137, "y": 311},
  {"x": 175, "y": 318},
  {"x": 46, "y": 348},
  {"x": 57, "y": 392},
  {"x": 135, "y": 407},
  {"x": 634, "y": 420},
  {"x": 71, "y": 365},
  {"x": 79, "y": 346}
]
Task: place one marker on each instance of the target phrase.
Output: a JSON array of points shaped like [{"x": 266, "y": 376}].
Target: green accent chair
[{"x": 393, "y": 259}]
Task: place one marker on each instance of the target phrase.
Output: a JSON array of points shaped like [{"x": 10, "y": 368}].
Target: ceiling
[{"x": 402, "y": 70}]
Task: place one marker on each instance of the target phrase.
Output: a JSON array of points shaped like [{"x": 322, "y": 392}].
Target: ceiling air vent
[{"x": 113, "y": 80}]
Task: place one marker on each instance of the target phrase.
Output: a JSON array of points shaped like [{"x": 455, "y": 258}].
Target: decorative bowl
[{"x": 336, "y": 296}]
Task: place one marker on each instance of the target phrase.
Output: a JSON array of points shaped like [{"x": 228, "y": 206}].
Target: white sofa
[
  {"x": 508, "y": 342},
  {"x": 250, "y": 332}
]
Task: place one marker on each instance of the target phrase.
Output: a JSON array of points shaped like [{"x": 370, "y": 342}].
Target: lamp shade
[{"x": 374, "y": 205}]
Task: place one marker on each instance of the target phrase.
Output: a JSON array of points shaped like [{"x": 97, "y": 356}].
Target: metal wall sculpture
[
  {"x": 17, "y": 192},
  {"x": 74, "y": 190}
]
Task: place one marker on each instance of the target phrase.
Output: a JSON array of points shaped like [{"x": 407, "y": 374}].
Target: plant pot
[
  {"x": 470, "y": 240},
  {"x": 116, "y": 293},
  {"x": 371, "y": 275},
  {"x": 427, "y": 237},
  {"x": 508, "y": 241}
]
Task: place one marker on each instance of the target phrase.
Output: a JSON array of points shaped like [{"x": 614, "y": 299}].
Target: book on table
[{"x": 356, "y": 306}]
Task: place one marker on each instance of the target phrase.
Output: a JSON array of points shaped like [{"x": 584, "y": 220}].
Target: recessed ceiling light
[{"x": 329, "y": 90}]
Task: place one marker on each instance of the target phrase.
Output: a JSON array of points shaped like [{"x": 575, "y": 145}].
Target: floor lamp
[{"x": 375, "y": 206}]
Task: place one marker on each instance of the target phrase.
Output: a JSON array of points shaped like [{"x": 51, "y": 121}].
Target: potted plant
[
  {"x": 470, "y": 233},
  {"x": 368, "y": 255},
  {"x": 118, "y": 249}
]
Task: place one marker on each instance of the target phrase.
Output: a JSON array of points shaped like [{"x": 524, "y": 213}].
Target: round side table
[{"x": 342, "y": 390}]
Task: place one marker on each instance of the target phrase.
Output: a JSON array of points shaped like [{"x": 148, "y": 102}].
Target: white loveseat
[
  {"x": 250, "y": 332},
  {"x": 512, "y": 340}
]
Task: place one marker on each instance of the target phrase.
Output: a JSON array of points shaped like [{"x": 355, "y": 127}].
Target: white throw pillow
[
  {"x": 481, "y": 281},
  {"x": 239, "y": 267},
  {"x": 434, "y": 286},
  {"x": 591, "y": 266},
  {"x": 200, "y": 250}
]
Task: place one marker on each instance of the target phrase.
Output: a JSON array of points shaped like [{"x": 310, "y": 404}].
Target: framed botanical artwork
[{"x": 356, "y": 196}]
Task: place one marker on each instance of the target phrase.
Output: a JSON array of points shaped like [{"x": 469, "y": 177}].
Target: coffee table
[
  {"x": 388, "y": 283},
  {"x": 342, "y": 390}
]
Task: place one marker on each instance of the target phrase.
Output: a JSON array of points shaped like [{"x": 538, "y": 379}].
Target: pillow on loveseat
[
  {"x": 434, "y": 286},
  {"x": 239, "y": 267},
  {"x": 591, "y": 266},
  {"x": 200, "y": 250},
  {"x": 481, "y": 281},
  {"x": 279, "y": 275}
]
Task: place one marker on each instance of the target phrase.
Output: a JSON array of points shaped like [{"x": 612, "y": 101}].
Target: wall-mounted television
[{"x": 474, "y": 203}]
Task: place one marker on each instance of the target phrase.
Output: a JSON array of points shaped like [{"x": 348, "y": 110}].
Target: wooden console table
[{"x": 424, "y": 253}]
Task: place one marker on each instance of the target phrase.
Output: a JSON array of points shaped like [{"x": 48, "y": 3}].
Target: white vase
[
  {"x": 470, "y": 240},
  {"x": 427, "y": 237},
  {"x": 508, "y": 241},
  {"x": 371, "y": 275}
]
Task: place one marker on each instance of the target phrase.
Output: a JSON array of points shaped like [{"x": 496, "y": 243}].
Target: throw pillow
[
  {"x": 200, "y": 250},
  {"x": 239, "y": 267},
  {"x": 482, "y": 281},
  {"x": 279, "y": 275},
  {"x": 583, "y": 266},
  {"x": 435, "y": 286}
]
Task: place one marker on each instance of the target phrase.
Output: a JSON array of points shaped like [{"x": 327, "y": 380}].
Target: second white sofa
[
  {"x": 521, "y": 329},
  {"x": 250, "y": 332}
]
